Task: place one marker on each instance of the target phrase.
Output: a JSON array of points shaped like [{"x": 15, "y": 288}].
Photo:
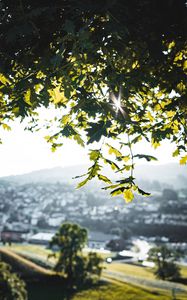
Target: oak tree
[{"x": 116, "y": 70}]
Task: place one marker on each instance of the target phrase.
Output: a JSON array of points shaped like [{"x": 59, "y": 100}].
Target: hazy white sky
[{"x": 23, "y": 151}]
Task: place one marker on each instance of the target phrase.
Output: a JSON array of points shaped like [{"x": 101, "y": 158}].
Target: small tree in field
[
  {"x": 11, "y": 286},
  {"x": 164, "y": 258},
  {"x": 78, "y": 269}
]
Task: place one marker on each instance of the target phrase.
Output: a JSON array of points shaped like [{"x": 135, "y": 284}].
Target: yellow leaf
[
  {"x": 6, "y": 127},
  {"x": 3, "y": 79},
  {"x": 38, "y": 87},
  {"x": 183, "y": 160},
  {"x": 159, "y": 95},
  {"x": 27, "y": 97},
  {"x": 15, "y": 110},
  {"x": 40, "y": 75},
  {"x": 128, "y": 195},
  {"x": 47, "y": 137},
  {"x": 128, "y": 167},
  {"x": 113, "y": 167},
  {"x": 126, "y": 158},
  {"x": 135, "y": 65},
  {"x": 157, "y": 107},
  {"x": 57, "y": 96},
  {"x": 179, "y": 56},
  {"x": 149, "y": 116},
  {"x": 170, "y": 113},
  {"x": 66, "y": 119},
  {"x": 181, "y": 86},
  {"x": 155, "y": 144},
  {"x": 72, "y": 59},
  {"x": 175, "y": 126},
  {"x": 185, "y": 65},
  {"x": 171, "y": 45},
  {"x": 114, "y": 151}
]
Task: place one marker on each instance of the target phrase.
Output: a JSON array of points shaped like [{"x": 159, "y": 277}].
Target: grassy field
[
  {"x": 23, "y": 266},
  {"x": 183, "y": 270},
  {"x": 113, "y": 291},
  {"x": 133, "y": 270},
  {"x": 105, "y": 291},
  {"x": 138, "y": 271},
  {"x": 49, "y": 287},
  {"x": 40, "y": 251},
  {"x": 129, "y": 269}
]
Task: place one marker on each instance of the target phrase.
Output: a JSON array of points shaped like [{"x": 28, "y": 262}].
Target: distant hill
[
  {"x": 173, "y": 174},
  {"x": 57, "y": 174}
]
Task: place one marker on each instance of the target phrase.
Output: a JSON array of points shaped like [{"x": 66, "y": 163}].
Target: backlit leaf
[
  {"x": 57, "y": 96},
  {"x": 82, "y": 183},
  {"x": 3, "y": 79},
  {"x": 27, "y": 97},
  {"x": 183, "y": 160},
  {"x": 6, "y": 127},
  {"x": 114, "y": 151},
  {"x": 94, "y": 154},
  {"x": 104, "y": 178},
  {"x": 128, "y": 195},
  {"x": 176, "y": 152}
]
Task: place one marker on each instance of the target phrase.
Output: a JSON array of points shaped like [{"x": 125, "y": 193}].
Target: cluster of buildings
[{"x": 41, "y": 207}]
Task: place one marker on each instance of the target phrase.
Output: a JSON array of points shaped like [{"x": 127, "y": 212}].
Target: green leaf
[
  {"x": 113, "y": 165},
  {"x": 118, "y": 191},
  {"x": 78, "y": 139},
  {"x": 97, "y": 130},
  {"x": 126, "y": 168},
  {"x": 69, "y": 26},
  {"x": 93, "y": 170},
  {"x": 82, "y": 183},
  {"x": 113, "y": 186},
  {"x": 66, "y": 119},
  {"x": 130, "y": 179},
  {"x": 136, "y": 139},
  {"x": 94, "y": 154},
  {"x": 68, "y": 131},
  {"x": 176, "y": 153},
  {"x": 141, "y": 192},
  {"x": 147, "y": 157},
  {"x": 79, "y": 176}
]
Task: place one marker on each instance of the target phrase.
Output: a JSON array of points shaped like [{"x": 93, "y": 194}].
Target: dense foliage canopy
[
  {"x": 114, "y": 68},
  {"x": 11, "y": 286}
]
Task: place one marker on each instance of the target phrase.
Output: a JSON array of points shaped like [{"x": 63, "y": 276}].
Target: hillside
[{"x": 171, "y": 174}]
